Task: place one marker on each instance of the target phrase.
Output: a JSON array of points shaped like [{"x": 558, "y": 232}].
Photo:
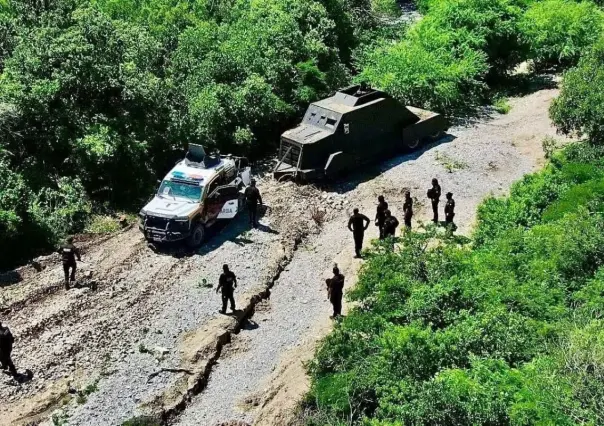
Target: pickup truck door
[{"x": 223, "y": 203}]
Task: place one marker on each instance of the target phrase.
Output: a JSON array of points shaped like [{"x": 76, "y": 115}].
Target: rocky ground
[{"x": 103, "y": 353}]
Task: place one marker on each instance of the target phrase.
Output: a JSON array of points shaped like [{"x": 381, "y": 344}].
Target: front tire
[{"x": 195, "y": 240}]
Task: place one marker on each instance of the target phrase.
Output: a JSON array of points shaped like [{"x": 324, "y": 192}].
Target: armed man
[
  {"x": 449, "y": 209},
  {"x": 380, "y": 215},
  {"x": 6, "y": 347},
  {"x": 390, "y": 224},
  {"x": 357, "y": 224},
  {"x": 408, "y": 210},
  {"x": 252, "y": 198},
  {"x": 434, "y": 196},
  {"x": 335, "y": 290},
  {"x": 69, "y": 253},
  {"x": 227, "y": 283}
]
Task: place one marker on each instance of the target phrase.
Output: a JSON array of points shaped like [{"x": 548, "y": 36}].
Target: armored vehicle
[
  {"x": 195, "y": 194},
  {"x": 357, "y": 125}
]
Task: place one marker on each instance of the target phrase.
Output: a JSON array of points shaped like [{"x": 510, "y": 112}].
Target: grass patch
[
  {"x": 450, "y": 164},
  {"x": 143, "y": 349},
  {"x": 142, "y": 421},
  {"x": 501, "y": 105}
]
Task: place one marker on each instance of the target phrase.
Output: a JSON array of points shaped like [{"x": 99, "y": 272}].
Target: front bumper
[{"x": 163, "y": 230}]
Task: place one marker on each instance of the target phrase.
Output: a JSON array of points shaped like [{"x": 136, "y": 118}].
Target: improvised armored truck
[
  {"x": 195, "y": 194},
  {"x": 355, "y": 126}
]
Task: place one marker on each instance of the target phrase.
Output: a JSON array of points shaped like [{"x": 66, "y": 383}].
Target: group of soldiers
[{"x": 387, "y": 223}]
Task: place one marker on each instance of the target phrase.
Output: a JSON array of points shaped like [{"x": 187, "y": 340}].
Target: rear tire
[{"x": 195, "y": 240}]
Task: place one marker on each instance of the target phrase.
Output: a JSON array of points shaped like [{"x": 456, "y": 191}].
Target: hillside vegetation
[
  {"x": 506, "y": 330},
  {"x": 98, "y": 98}
]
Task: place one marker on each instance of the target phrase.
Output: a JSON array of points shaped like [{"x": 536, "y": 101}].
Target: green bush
[
  {"x": 579, "y": 109},
  {"x": 559, "y": 31}
]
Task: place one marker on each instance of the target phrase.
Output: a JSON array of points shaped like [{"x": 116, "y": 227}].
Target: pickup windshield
[{"x": 189, "y": 191}]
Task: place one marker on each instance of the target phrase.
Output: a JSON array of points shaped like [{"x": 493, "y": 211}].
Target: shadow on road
[
  {"x": 352, "y": 181},
  {"x": 235, "y": 231}
]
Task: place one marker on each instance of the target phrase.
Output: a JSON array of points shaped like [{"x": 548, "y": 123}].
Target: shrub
[
  {"x": 579, "y": 109},
  {"x": 501, "y": 105},
  {"x": 559, "y": 31}
]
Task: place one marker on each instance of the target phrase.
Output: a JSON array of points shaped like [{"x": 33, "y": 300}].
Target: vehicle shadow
[
  {"x": 9, "y": 278},
  {"x": 235, "y": 231},
  {"x": 348, "y": 183}
]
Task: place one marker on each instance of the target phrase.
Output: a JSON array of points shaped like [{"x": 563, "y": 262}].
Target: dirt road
[{"x": 149, "y": 311}]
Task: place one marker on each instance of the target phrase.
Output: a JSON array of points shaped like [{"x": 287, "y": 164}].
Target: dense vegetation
[
  {"x": 99, "y": 97},
  {"x": 507, "y": 330}
]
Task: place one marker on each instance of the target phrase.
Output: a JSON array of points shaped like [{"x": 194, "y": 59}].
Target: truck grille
[
  {"x": 157, "y": 222},
  {"x": 293, "y": 155}
]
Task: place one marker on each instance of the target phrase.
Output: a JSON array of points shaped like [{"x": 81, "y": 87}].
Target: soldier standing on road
[
  {"x": 390, "y": 224},
  {"x": 252, "y": 197},
  {"x": 434, "y": 196},
  {"x": 227, "y": 283},
  {"x": 6, "y": 347},
  {"x": 408, "y": 210},
  {"x": 335, "y": 290},
  {"x": 449, "y": 209},
  {"x": 358, "y": 223},
  {"x": 69, "y": 253},
  {"x": 380, "y": 215}
]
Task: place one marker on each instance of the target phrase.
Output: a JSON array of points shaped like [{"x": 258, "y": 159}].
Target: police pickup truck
[{"x": 200, "y": 190}]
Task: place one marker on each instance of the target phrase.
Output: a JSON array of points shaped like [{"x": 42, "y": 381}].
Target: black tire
[
  {"x": 412, "y": 144},
  {"x": 198, "y": 234},
  {"x": 437, "y": 135}
]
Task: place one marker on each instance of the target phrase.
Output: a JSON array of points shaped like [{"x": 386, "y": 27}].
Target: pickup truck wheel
[{"x": 197, "y": 236}]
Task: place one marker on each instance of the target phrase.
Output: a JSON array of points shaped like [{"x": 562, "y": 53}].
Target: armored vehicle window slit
[{"x": 331, "y": 122}]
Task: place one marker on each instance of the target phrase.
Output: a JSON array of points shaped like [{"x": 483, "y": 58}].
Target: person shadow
[{"x": 21, "y": 378}]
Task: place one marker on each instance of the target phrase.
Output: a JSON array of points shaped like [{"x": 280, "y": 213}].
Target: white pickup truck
[{"x": 200, "y": 190}]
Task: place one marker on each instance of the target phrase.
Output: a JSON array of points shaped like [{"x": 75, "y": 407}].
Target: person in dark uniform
[
  {"x": 408, "y": 209},
  {"x": 335, "y": 290},
  {"x": 6, "y": 347},
  {"x": 434, "y": 196},
  {"x": 227, "y": 283},
  {"x": 390, "y": 225},
  {"x": 252, "y": 198},
  {"x": 380, "y": 215},
  {"x": 449, "y": 209},
  {"x": 357, "y": 224},
  {"x": 69, "y": 253}
]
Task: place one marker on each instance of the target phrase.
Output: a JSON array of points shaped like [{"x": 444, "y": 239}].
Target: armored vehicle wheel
[
  {"x": 197, "y": 236},
  {"x": 437, "y": 135},
  {"x": 413, "y": 143}
]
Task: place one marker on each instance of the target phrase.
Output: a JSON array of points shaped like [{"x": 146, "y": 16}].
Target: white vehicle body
[{"x": 197, "y": 192}]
